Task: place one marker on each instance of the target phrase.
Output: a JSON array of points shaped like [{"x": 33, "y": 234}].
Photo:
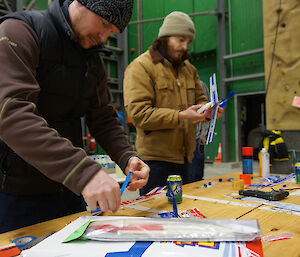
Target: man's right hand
[
  {"x": 102, "y": 191},
  {"x": 192, "y": 114}
]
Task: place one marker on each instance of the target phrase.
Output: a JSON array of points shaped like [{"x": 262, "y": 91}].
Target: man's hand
[
  {"x": 192, "y": 114},
  {"x": 140, "y": 173},
  {"x": 102, "y": 191},
  {"x": 208, "y": 113}
]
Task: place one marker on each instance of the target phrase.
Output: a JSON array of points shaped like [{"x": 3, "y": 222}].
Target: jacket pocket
[
  {"x": 163, "y": 144},
  {"x": 165, "y": 95},
  {"x": 190, "y": 92}
]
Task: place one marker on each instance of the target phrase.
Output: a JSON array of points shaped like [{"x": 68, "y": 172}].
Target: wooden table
[{"x": 214, "y": 203}]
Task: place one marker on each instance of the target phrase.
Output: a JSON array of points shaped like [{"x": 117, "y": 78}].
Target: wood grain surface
[{"x": 214, "y": 203}]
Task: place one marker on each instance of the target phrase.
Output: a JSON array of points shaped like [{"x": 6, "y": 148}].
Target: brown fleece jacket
[{"x": 29, "y": 135}]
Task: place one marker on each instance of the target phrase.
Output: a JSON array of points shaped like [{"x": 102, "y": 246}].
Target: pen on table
[{"x": 122, "y": 189}]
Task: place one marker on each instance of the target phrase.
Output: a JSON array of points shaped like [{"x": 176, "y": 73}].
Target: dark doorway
[{"x": 251, "y": 121}]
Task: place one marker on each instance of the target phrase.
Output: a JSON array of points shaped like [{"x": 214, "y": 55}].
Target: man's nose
[
  {"x": 104, "y": 35},
  {"x": 185, "y": 46}
]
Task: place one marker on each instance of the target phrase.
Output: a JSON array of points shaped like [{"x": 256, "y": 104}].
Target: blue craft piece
[
  {"x": 167, "y": 215},
  {"x": 224, "y": 101},
  {"x": 126, "y": 182},
  {"x": 122, "y": 190},
  {"x": 137, "y": 250},
  {"x": 173, "y": 201}
]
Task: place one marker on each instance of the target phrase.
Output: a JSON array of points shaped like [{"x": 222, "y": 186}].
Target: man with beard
[{"x": 162, "y": 93}]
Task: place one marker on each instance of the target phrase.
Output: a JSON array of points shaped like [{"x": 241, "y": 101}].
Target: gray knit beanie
[
  {"x": 117, "y": 12},
  {"x": 177, "y": 24}
]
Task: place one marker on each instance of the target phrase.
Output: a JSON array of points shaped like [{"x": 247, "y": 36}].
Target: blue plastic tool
[
  {"x": 221, "y": 103},
  {"x": 126, "y": 182},
  {"x": 224, "y": 101},
  {"x": 174, "y": 203},
  {"x": 122, "y": 190}
]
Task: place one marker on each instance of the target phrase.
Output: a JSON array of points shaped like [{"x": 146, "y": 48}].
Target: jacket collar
[
  {"x": 158, "y": 57},
  {"x": 155, "y": 55}
]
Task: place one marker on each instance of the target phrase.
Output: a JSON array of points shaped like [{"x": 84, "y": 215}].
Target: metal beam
[
  {"x": 140, "y": 26},
  {"x": 246, "y": 53},
  {"x": 118, "y": 91},
  {"x": 162, "y": 18},
  {"x": 110, "y": 58},
  {"x": 112, "y": 80},
  {"x": 4, "y": 12},
  {"x": 222, "y": 75},
  {"x": 117, "y": 49},
  {"x": 30, "y": 4},
  {"x": 19, "y": 5},
  {"x": 251, "y": 76},
  {"x": 7, "y": 6}
]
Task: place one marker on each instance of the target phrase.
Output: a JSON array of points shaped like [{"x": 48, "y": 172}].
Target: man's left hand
[
  {"x": 208, "y": 113},
  {"x": 140, "y": 173}
]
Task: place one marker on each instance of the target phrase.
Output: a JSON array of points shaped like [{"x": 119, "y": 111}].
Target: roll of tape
[{"x": 22, "y": 241}]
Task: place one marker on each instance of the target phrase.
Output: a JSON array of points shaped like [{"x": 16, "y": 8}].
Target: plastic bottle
[
  {"x": 111, "y": 164},
  {"x": 247, "y": 156},
  {"x": 264, "y": 158},
  {"x": 103, "y": 162},
  {"x": 260, "y": 155}
]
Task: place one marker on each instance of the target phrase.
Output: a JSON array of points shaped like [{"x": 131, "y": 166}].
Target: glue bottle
[
  {"x": 247, "y": 156},
  {"x": 264, "y": 162}
]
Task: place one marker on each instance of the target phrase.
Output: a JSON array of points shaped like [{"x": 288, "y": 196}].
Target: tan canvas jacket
[{"x": 154, "y": 94}]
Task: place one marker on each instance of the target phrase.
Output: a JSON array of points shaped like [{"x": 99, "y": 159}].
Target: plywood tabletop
[{"x": 214, "y": 202}]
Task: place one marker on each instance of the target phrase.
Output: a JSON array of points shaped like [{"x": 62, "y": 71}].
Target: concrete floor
[{"x": 211, "y": 170}]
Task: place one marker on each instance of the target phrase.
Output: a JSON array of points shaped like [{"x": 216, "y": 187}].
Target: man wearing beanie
[
  {"x": 53, "y": 76},
  {"x": 162, "y": 93}
]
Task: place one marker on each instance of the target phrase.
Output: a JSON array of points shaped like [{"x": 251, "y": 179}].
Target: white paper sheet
[{"x": 52, "y": 247}]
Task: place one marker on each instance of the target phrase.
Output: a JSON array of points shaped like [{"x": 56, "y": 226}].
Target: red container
[{"x": 247, "y": 155}]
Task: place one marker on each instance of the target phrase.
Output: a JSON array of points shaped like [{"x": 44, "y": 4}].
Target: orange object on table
[{"x": 246, "y": 178}]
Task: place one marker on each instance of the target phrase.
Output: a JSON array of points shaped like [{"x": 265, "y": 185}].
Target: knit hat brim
[
  {"x": 117, "y": 12},
  {"x": 177, "y": 24}
]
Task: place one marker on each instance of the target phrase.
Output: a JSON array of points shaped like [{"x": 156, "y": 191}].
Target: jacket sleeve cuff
[
  {"x": 123, "y": 161},
  {"x": 82, "y": 175}
]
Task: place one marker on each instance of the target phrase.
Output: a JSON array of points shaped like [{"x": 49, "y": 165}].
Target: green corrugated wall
[
  {"x": 206, "y": 35},
  {"x": 246, "y": 34}
]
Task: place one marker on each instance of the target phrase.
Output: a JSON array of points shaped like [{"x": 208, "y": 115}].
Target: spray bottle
[{"x": 264, "y": 163}]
